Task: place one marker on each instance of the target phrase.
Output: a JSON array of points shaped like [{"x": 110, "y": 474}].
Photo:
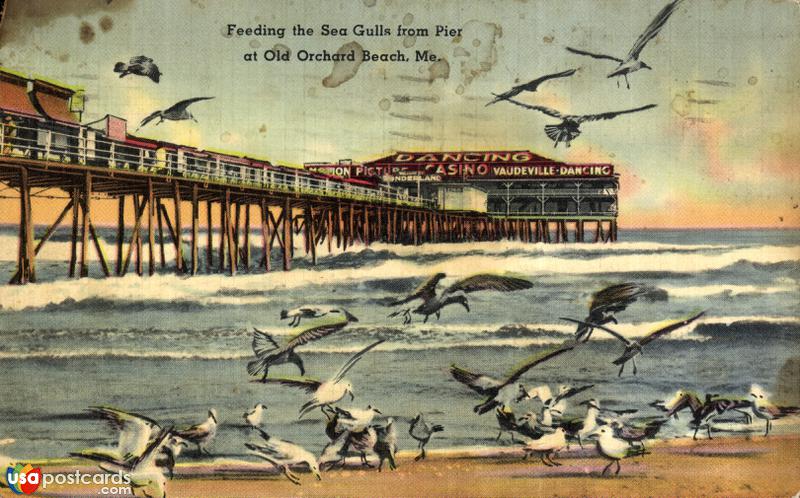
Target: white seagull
[
  {"x": 765, "y": 410},
  {"x": 201, "y": 434},
  {"x": 284, "y": 454},
  {"x": 325, "y": 392},
  {"x": 631, "y": 63},
  {"x": 297, "y": 314},
  {"x": 135, "y": 434},
  {"x": 612, "y": 448},
  {"x": 255, "y": 416},
  {"x": 357, "y": 419},
  {"x": 546, "y": 445}
]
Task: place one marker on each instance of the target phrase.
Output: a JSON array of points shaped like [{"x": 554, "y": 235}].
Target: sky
[{"x": 719, "y": 150}]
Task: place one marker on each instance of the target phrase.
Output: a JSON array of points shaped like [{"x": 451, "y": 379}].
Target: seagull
[
  {"x": 558, "y": 404},
  {"x": 501, "y": 392},
  {"x": 605, "y": 303},
  {"x": 143, "y": 472},
  {"x": 255, "y": 416},
  {"x": 177, "y": 112},
  {"x": 386, "y": 446},
  {"x": 507, "y": 421},
  {"x": 542, "y": 393},
  {"x": 422, "y": 432},
  {"x": 269, "y": 353},
  {"x": 631, "y": 63},
  {"x": 135, "y": 434},
  {"x": 546, "y": 445},
  {"x": 361, "y": 442},
  {"x": 455, "y": 294},
  {"x": 530, "y": 86},
  {"x": 201, "y": 434},
  {"x": 634, "y": 348},
  {"x": 356, "y": 419},
  {"x": 284, "y": 454},
  {"x": 613, "y": 448},
  {"x": 297, "y": 314},
  {"x": 639, "y": 430},
  {"x": 703, "y": 412},
  {"x": 765, "y": 410},
  {"x": 332, "y": 428},
  {"x": 324, "y": 392},
  {"x": 569, "y": 128},
  {"x": 140, "y": 66}
]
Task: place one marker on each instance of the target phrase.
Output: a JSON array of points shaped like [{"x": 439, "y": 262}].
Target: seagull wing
[
  {"x": 594, "y": 55},
  {"x": 572, "y": 391},
  {"x": 652, "y": 336},
  {"x": 601, "y": 327},
  {"x": 307, "y": 384},
  {"x": 148, "y": 457},
  {"x": 120, "y": 419},
  {"x": 530, "y": 86},
  {"x": 317, "y": 332},
  {"x": 103, "y": 455},
  {"x": 652, "y": 30},
  {"x": 537, "y": 359},
  {"x": 149, "y": 118},
  {"x": 481, "y": 384},
  {"x": 546, "y": 110},
  {"x": 425, "y": 291},
  {"x": 488, "y": 281},
  {"x": 140, "y": 59},
  {"x": 183, "y": 104},
  {"x": 615, "y": 297},
  {"x": 151, "y": 71},
  {"x": 353, "y": 360},
  {"x": 609, "y": 115},
  {"x": 263, "y": 343}
]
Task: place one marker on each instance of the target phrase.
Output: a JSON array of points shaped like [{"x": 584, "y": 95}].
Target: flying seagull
[
  {"x": 631, "y": 63},
  {"x": 283, "y": 455},
  {"x": 269, "y": 353},
  {"x": 633, "y": 348},
  {"x": 605, "y": 303},
  {"x": 135, "y": 434},
  {"x": 422, "y": 432},
  {"x": 325, "y": 392},
  {"x": 501, "y": 392},
  {"x": 177, "y": 112},
  {"x": 613, "y": 448},
  {"x": 530, "y": 86},
  {"x": 201, "y": 434},
  {"x": 455, "y": 294},
  {"x": 297, "y": 314},
  {"x": 569, "y": 128},
  {"x": 140, "y": 66}
]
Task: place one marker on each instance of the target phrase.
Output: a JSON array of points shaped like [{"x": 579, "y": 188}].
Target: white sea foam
[{"x": 726, "y": 289}]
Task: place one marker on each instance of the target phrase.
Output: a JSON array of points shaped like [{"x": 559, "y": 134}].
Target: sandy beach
[{"x": 756, "y": 466}]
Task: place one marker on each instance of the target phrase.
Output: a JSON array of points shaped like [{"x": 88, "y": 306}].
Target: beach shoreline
[{"x": 731, "y": 466}]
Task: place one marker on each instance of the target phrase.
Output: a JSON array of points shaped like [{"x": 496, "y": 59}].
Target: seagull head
[
  {"x": 591, "y": 403},
  {"x": 523, "y": 394},
  {"x": 600, "y": 433},
  {"x": 370, "y": 407},
  {"x": 645, "y": 66},
  {"x": 284, "y": 314}
]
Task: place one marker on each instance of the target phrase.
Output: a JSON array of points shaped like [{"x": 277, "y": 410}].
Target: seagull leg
[
  {"x": 607, "y": 467},
  {"x": 708, "y": 430},
  {"x": 290, "y": 475},
  {"x": 498, "y": 435},
  {"x": 618, "y": 465},
  {"x": 621, "y": 368},
  {"x": 438, "y": 315},
  {"x": 694, "y": 436},
  {"x": 627, "y": 83},
  {"x": 634, "y": 365},
  {"x": 541, "y": 457}
]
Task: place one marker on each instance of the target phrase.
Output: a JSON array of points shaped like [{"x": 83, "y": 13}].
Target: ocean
[{"x": 172, "y": 347}]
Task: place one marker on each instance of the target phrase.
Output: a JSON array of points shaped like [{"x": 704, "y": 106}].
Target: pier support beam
[
  {"x": 287, "y": 235},
  {"x": 266, "y": 250},
  {"x": 120, "y": 233},
  {"x": 178, "y": 231},
  {"x": 195, "y": 221},
  {"x": 87, "y": 203},
  {"x": 151, "y": 237}
]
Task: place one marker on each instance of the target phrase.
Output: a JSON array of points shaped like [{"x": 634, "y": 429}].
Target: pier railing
[{"x": 89, "y": 148}]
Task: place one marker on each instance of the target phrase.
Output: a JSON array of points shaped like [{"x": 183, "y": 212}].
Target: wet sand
[{"x": 754, "y": 466}]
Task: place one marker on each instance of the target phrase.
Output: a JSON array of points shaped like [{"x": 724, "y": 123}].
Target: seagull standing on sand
[
  {"x": 633, "y": 348},
  {"x": 177, "y": 112},
  {"x": 546, "y": 445},
  {"x": 530, "y": 86},
  {"x": 297, "y": 314},
  {"x": 283, "y": 455},
  {"x": 455, "y": 294},
  {"x": 386, "y": 446},
  {"x": 765, "y": 410},
  {"x": 422, "y": 432},
  {"x": 613, "y": 448},
  {"x": 569, "y": 127},
  {"x": 639, "y": 430},
  {"x": 254, "y": 417},
  {"x": 201, "y": 434},
  {"x": 501, "y": 392},
  {"x": 269, "y": 353},
  {"x": 631, "y": 63},
  {"x": 605, "y": 303},
  {"x": 325, "y": 392},
  {"x": 140, "y": 66},
  {"x": 593, "y": 418}
]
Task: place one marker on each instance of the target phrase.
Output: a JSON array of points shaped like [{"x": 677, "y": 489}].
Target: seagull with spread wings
[
  {"x": 432, "y": 303},
  {"x": 631, "y": 63},
  {"x": 605, "y": 303},
  {"x": 269, "y": 353},
  {"x": 569, "y": 128},
  {"x": 633, "y": 348},
  {"x": 177, "y": 112},
  {"x": 325, "y": 392},
  {"x": 283, "y": 455},
  {"x": 135, "y": 433},
  {"x": 297, "y": 314},
  {"x": 530, "y": 86},
  {"x": 502, "y": 392},
  {"x": 140, "y": 66}
]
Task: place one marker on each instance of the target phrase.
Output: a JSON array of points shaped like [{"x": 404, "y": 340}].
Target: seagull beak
[
  {"x": 350, "y": 317},
  {"x": 378, "y": 411}
]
